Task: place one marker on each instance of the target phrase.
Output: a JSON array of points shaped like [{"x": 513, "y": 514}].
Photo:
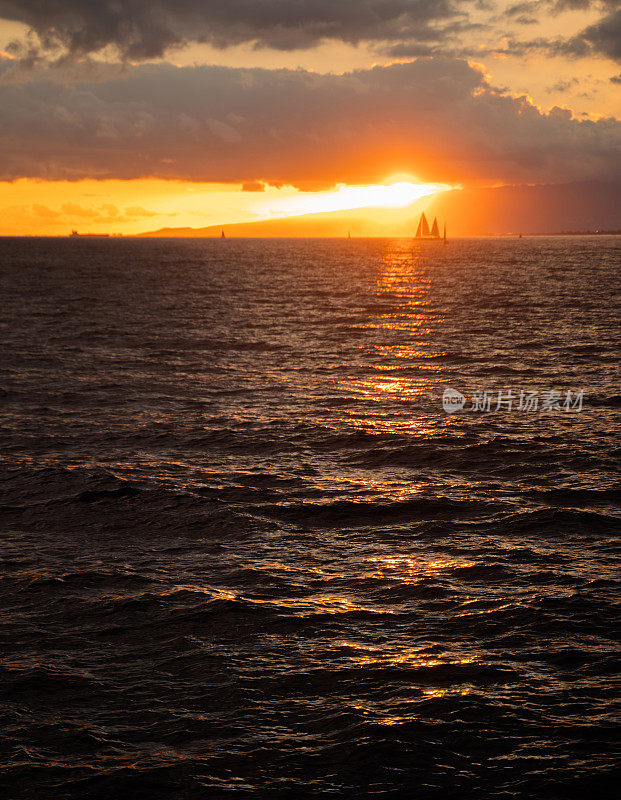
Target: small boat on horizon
[{"x": 222, "y": 236}]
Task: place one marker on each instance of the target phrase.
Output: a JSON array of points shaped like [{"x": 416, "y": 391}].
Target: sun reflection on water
[
  {"x": 405, "y": 568},
  {"x": 400, "y": 366}
]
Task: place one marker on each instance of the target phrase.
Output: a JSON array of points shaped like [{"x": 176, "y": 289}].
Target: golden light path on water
[{"x": 405, "y": 322}]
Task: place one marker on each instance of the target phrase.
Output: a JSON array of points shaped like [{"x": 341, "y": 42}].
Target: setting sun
[{"x": 344, "y": 198}]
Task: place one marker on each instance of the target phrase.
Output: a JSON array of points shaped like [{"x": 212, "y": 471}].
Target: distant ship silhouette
[
  {"x": 222, "y": 236},
  {"x": 423, "y": 232},
  {"x": 97, "y": 235}
]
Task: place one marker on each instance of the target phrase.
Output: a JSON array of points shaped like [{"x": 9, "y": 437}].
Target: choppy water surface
[{"x": 247, "y": 553}]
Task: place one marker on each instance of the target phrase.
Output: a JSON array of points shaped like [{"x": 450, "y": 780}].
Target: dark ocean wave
[
  {"x": 351, "y": 513},
  {"x": 610, "y": 401},
  {"x": 247, "y": 554}
]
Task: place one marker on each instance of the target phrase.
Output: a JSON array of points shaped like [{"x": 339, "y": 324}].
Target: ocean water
[{"x": 246, "y": 553}]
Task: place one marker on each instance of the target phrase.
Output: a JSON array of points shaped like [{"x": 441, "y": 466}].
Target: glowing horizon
[
  {"x": 399, "y": 194},
  {"x": 131, "y": 207}
]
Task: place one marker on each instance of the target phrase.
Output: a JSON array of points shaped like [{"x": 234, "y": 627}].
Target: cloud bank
[
  {"x": 437, "y": 118},
  {"x": 141, "y": 30},
  {"x": 145, "y": 29}
]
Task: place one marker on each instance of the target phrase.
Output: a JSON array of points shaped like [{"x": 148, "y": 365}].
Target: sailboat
[{"x": 423, "y": 232}]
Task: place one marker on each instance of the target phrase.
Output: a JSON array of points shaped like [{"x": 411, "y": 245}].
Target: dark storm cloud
[
  {"x": 582, "y": 5},
  {"x": 601, "y": 39},
  {"x": 432, "y": 40},
  {"x": 437, "y": 118},
  {"x": 143, "y": 29},
  {"x": 604, "y": 37},
  {"x": 562, "y": 86},
  {"x": 571, "y": 5},
  {"x": 523, "y": 9},
  {"x": 574, "y": 48},
  {"x": 534, "y": 10},
  {"x": 524, "y": 13}
]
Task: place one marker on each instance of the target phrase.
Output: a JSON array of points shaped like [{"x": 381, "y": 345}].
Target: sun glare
[{"x": 394, "y": 195}]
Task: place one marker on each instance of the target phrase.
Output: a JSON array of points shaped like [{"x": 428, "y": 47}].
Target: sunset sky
[{"x": 137, "y": 115}]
